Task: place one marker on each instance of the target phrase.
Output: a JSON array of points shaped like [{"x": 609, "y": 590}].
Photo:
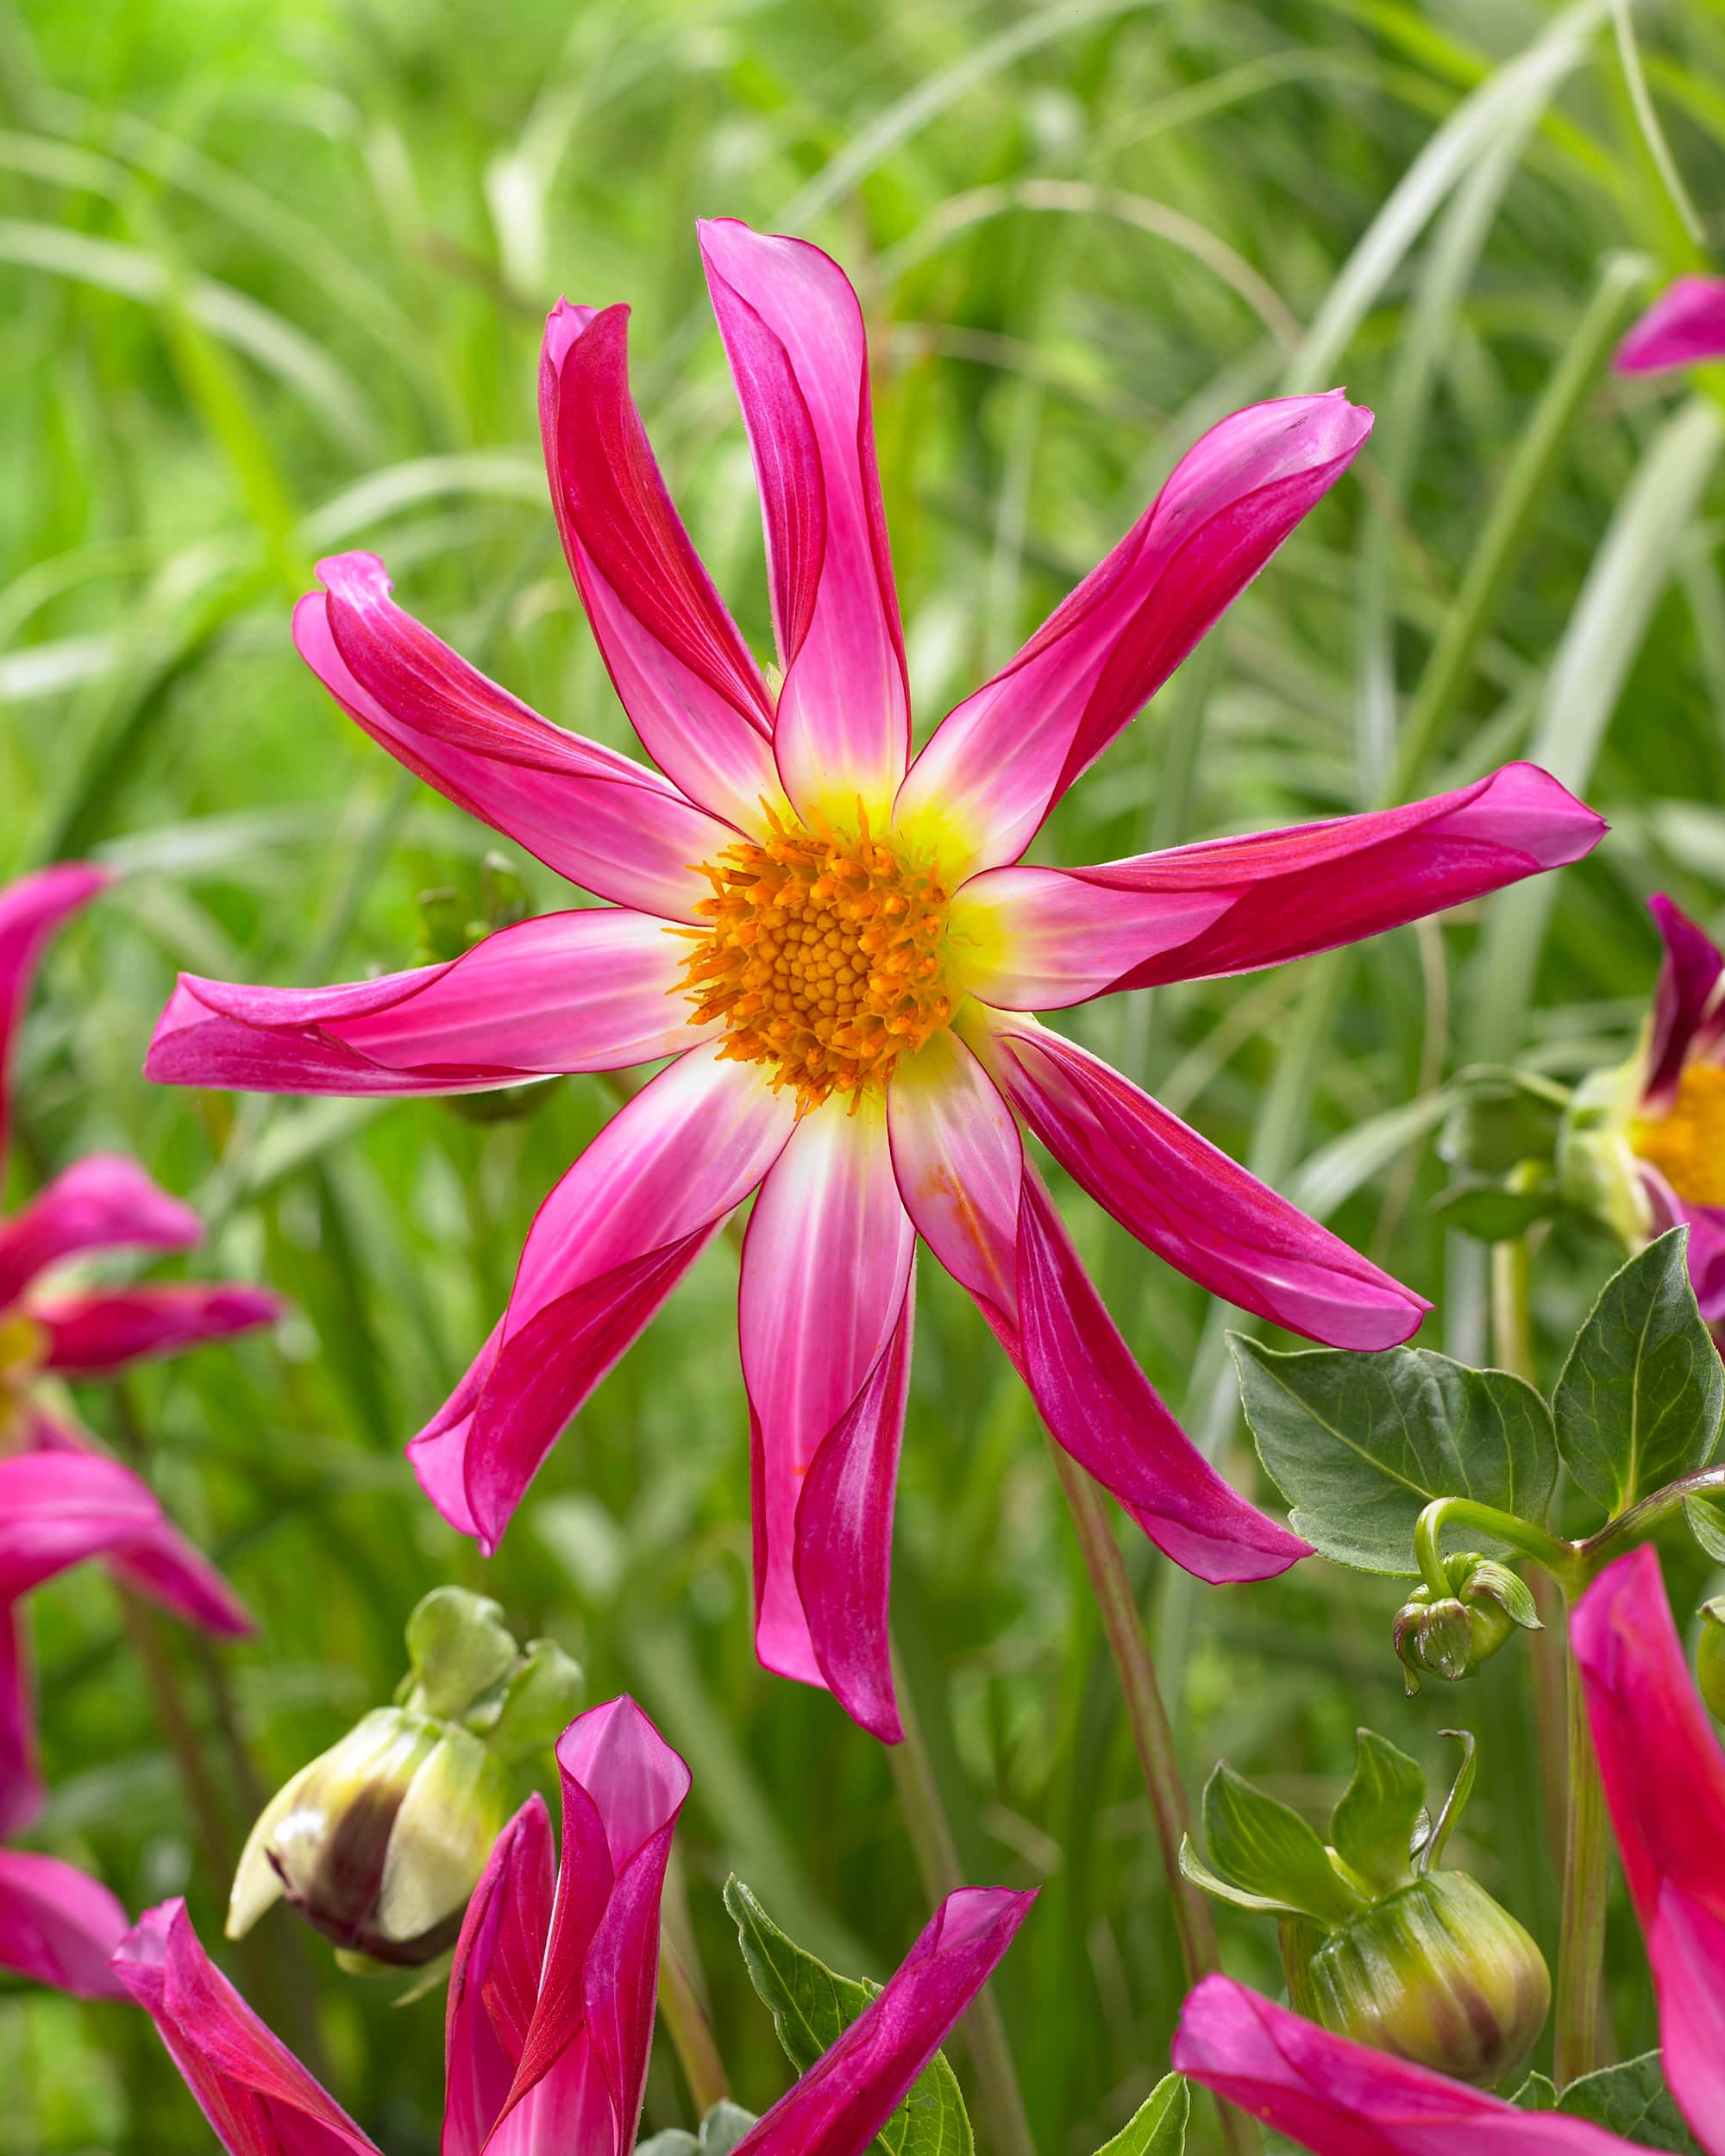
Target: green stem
[
  {"x": 1581, "y": 1950},
  {"x": 1560, "y": 1558},
  {"x": 1639, "y": 1522},
  {"x": 691, "y": 2037}
]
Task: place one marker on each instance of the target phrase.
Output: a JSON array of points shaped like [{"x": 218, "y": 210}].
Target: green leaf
[
  {"x": 1707, "y": 1524},
  {"x": 1537, "y": 2093},
  {"x": 1158, "y": 2126},
  {"x": 1259, "y": 1844},
  {"x": 1640, "y": 1399},
  {"x": 811, "y": 2008},
  {"x": 1360, "y": 1445},
  {"x": 675, "y": 2143},
  {"x": 723, "y": 2127},
  {"x": 1632, "y": 2099},
  {"x": 1373, "y": 1825}
]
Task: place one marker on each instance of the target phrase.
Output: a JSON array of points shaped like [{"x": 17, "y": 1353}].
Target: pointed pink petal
[
  {"x": 101, "y": 1331},
  {"x": 1048, "y": 937},
  {"x": 687, "y": 680},
  {"x": 30, "y": 911},
  {"x": 59, "y": 1926},
  {"x": 1189, "y": 1203},
  {"x": 1685, "y": 326},
  {"x": 1341, "y": 2099},
  {"x": 959, "y": 1161},
  {"x": 1102, "y": 1409},
  {"x": 59, "y": 1508},
  {"x": 255, "y": 2094},
  {"x": 583, "y": 2065},
  {"x": 1689, "y": 1003},
  {"x": 794, "y": 335},
  {"x": 494, "y": 1979},
  {"x": 605, "y": 822},
  {"x": 21, "y": 1779},
  {"x": 102, "y": 1202},
  {"x": 826, "y": 1268},
  {"x": 999, "y": 763},
  {"x": 848, "y": 2094},
  {"x": 609, "y": 1244},
  {"x": 1664, "y": 1783},
  {"x": 596, "y": 990}
]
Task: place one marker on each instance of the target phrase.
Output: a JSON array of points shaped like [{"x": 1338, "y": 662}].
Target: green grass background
[{"x": 272, "y": 275}]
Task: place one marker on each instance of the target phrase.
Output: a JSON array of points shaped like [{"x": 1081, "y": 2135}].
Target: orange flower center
[
  {"x": 824, "y": 957},
  {"x": 1687, "y": 1143}
]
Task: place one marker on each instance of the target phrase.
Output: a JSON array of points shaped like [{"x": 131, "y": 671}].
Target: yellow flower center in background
[
  {"x": 823, "y": 958},
  {"x": 24, "y": 1344},
  {"x": 1687, "y": 1144}
]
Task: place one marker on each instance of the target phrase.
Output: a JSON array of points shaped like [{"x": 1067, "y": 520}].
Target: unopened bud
[
  {"x": 379, "y": 1842},
  {"x": 1598, "y": 1172},
  {"x": 1436, "y": 1973},
  {"x": 1709, "y": 1657},
  {"x": 1449, "y": 1636}
]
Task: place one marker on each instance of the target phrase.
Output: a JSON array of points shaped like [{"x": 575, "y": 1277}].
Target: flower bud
[
  {"x": 1709, "y": 1657},
  {"x": 379, "y": 1842},
  {"x": 1598, "y": 1172},
  {"x": 1436, "y": 1973},
  {"x": 1449, "y": 1636}
]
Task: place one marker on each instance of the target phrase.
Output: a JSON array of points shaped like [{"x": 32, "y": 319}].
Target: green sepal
[
  {"x": 1158, "y": 2127},
  {"x": 1263, "y": 1846},
  {"x": 1193, "y": 1867},
  {"x": 1707, "y": 1524},
  {"x": 540, "y": 1700},
  {"x": 1373, "y": 1824},
  {"x": 461, "y": 1649}
]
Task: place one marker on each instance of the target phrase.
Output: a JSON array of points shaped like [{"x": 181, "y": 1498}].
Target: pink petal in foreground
[
  {"x": 20, "y": 1777},
  {"x": 609, "y": 1244},
  {"x": 1685, "y": 326},
  {"x": 57, "y": 1925},
  {"x": 260, "y": 2100},
  {"x": 94, "y": 1334},
  {"x": 102, "y": 1202},
  {"x": 1189, "y": 1203},
  {"x": 794, "y": 335},
  {"x": 594, "y": 990},
  {"x": 1665, "y": 1784},
  {"x": 1044, "y": 938},
  {"x": 688, "y": 682},
  {"x": 848, "y": 2094},
  {"x": 494, "y": 1978},
  {"x": 826, "y": 1268},
  {"x": 30, "y": 911},
  {"x": 998, "y": 764},
  {"x": 1689, "y": 1002},
  {"x": 608, "y": 824},
  {"x": 1339, "y": 2098}
]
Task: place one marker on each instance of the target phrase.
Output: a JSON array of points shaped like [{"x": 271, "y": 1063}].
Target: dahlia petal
[
  {"x": 59, "y": 1508},
  {"x": 1103, "y": 1410},
  {"x": 606, "y": 823},
  {"x": 1044, "y": 938},
  {"x": 1340, "y": 2098},
  {"x": 30, "y": 911},
  {"x": 688, "y": 682},
  {"x": 1689, "y": 1007},
  {"x": 1665, "y": 1785},
  {"x": 1185, "y": 1199},
  {"x": 1707, "y": 1259},
  {"x": 794, "y": 335},
  {"x": 494, "y": 1978},
  {"x": 594, "y": 990},
  {"x": 827, "y": 1267},
  {"x": 257, "y": 2097},
  {"x": 106, "y": 1330},
  {"x": 849, "y": 2093},
  {"x": 1685, "y": 326},
  {"x": 583, "y": 2063},
  {"x": 102, "y": 1202},
  {"x": 1001, "y": 760},
  {"x": 959, "y": 1161},
  {"x": 609, "y": 1244},
  {"x": 20, "y": 1779},
  {"x": 57, "y": 1925}
]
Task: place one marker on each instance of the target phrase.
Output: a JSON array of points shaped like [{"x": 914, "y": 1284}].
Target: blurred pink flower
[
  {"x": 549, "y": 2021},
  {"x": 61, "y": 1502},
  {"x": 1684, "y": 326},
  {"x": 841, "y": 948}
]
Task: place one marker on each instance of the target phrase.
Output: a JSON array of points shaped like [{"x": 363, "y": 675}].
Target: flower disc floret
[
  {"x": 1687, "y": 1143},
  {"x": 825, "y": 958}
]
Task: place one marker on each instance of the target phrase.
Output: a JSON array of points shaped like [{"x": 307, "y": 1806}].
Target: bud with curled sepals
[
  {"x": 379, "y": 1841},
  {"x": 1450, "y": 1635},
  {"x": 1377, "y": 1944},
  {"x": 1709, "y": 1657}
]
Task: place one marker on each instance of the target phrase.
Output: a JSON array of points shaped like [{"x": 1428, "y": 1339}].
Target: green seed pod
[
  {"x": 1437, "y": 1973},
  {"x": 1709, "y": 1657},
  {"x": 380, "y": 1841}
]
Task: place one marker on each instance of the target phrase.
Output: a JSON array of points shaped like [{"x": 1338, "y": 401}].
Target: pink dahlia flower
[
  {"x": 549, "y": 2021},
  {"x": 1684, "y": 326},
  {"x": 839, "y": 948}
]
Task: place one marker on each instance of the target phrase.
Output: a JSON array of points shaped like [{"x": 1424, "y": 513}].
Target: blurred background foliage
[{"x": 272, "y": 275}]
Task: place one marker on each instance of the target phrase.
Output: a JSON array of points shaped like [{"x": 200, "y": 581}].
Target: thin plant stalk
[
  {"x": 689, "y": 2030},
  {"x": 998, "y": 2096},
  {"x": 1580, "y": 1949}
]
